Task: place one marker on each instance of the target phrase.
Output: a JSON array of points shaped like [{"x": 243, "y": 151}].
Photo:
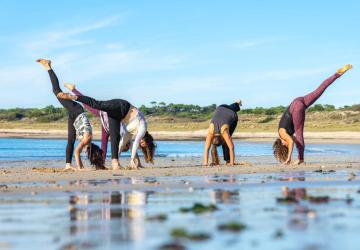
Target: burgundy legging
[{"x": 297, "y": 110}]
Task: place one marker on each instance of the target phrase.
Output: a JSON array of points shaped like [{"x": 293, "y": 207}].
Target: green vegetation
[
  {"x": 159, "y": 217},
  {"x": 183, "y": 117},
  {"x": 183, "y": 234},
  {"x": 232, "y": 226},
  {"x": 188, "y": 111},
  {"x": 47, "y": 114},
  {"x": 199, "y": 208}
]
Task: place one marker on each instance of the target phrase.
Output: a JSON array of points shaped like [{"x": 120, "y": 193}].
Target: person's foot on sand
[
  {"x": 68, "y": 166},
  {"x": 345, "y": 68},
  {"x": 44, "y": 62},
  {"x": 298, "y": 162},
  {"x": 69, "y": 86},
  {"x": 115, "y": 164},
  {"x": 66, "y": 96}
]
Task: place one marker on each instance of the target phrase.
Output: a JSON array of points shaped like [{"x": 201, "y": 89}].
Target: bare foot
[
  {"x": 66, "y": 96},
  {"x": 68, "y": 166},
  {"x": 298, "y": 162},
  {"x": 69, "y": 86},
  {"x": 115, "y": 164},
  {"x": 344, "y": 69},
  {"x": 45, "y": 63}
]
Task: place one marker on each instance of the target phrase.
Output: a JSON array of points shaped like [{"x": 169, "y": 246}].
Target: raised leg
[{"x": 309, "y": 99}]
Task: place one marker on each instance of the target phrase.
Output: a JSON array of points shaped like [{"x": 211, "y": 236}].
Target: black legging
[
  {"x": 226, "y": 152},
  {"x": 74, "y": 109},
  {"x": 116, "y": 109}
]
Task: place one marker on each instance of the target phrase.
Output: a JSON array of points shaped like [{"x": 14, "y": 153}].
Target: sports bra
[{"x": 286, "y": 122}]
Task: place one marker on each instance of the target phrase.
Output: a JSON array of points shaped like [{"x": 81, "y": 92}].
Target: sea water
[{"x": 12, "y": 149}]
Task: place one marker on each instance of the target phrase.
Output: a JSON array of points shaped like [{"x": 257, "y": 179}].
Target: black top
[
  {"x": 287, "y": 123},
  {"x": 225, "y": 114}
]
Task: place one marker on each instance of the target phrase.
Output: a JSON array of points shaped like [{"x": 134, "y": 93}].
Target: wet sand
[{"x": 37, "y": 176}]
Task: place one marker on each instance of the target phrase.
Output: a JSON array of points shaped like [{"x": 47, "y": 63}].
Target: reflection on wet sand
[
  {"x": 295, "y": 216},
  {"x": 126, "y": 206},
  {"x": 225, "y": 196}
]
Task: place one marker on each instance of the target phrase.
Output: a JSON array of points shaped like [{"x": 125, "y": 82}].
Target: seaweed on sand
[
  {"x": 183, "y": 234},
  {"x": 172, "y": 246},
  {"x": 232, "y": 226},
  {"x": 199, "y": 208},
  {"x": 159, "y": 217}
]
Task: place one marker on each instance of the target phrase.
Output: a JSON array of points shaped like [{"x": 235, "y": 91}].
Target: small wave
[
  {"x": 324, "y": 151},
  {"x": 183, "y": 155}
]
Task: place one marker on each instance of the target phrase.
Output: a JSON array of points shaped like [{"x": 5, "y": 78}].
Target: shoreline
[
  {"x": 49, "y": 176},
  {"x": 25, "y": 180},
  {"x": 311, "y": 137}
]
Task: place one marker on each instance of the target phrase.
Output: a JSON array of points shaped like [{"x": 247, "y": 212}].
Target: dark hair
[
  {"x": 217, "y": 140},
  {"x": 280, "y": 151},
  {"x": 214, "y": 156},
  {"x": 149, "y": 150},
  {"x": 94, "y": 154}
]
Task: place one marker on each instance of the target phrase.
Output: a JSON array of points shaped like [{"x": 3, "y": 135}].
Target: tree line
[{"x": 189, "y": 111}]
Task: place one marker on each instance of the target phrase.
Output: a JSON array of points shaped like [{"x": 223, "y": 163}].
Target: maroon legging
[{"x": 297, "y": 110}]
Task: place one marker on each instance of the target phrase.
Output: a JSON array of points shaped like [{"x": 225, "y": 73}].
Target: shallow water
[
  {"x": 12, "y": 149},
  {"x": 116, "y": 219}
]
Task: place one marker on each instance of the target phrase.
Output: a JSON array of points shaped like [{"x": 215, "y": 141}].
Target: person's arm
[
  {"x": 104, "y": 142},
  {"x": 208, "y": 141},
  {"x": 229, "y": 142},
  {"x": 90, "y": 109},
  {"x": 86, "y": 140},
  {"x": 290, "y": 143},
  {"x": 137, "y": 161},
  {"x": 136, "y": 143}
]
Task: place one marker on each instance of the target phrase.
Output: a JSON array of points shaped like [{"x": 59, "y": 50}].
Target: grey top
[{"x": 225, "y": 115}]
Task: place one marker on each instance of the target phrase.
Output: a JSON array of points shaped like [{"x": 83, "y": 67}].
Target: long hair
[
  {"x": 280, "y": 151},
  {"x": 217, "y": 140},
  {"x": 149, "y": 150},
  {"x": 214, "y": 156},
  {"x": 94, "y": 154}
]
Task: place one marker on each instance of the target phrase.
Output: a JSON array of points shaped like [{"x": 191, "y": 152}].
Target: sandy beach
[{"x": 49, "y": 175}]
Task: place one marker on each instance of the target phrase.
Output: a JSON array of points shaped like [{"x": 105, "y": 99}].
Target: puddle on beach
[{"x": 246, "y": 214}]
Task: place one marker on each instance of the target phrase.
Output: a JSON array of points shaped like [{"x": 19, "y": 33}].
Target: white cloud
[{"x": 66, "y": 37}]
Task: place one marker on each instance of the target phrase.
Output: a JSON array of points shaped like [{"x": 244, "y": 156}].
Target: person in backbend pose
[
  {"x": 222, "y": 126},
  {"x": 104, "y": 119},
  {"x": 78, "y": 125},
  {"x": 293, "y": 120},
  {"x": 121, "y": 111}
]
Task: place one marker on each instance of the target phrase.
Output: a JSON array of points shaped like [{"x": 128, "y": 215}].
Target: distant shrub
[
  {"x": 320, "y": 108},
  {"x": 50, "y": 118},
  {"x": 353, "y": 107},
  {"x": 267, "y": 119}
]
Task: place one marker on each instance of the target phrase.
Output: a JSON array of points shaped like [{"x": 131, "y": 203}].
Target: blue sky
[{"x": 202, "y": 52}]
